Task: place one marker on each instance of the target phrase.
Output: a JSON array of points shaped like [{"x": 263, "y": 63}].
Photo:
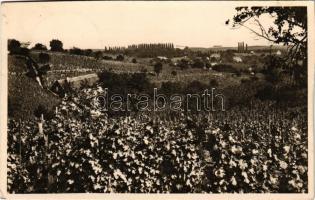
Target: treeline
[
  {"x": 139, "y": 46},
  {"x": 153, "y": 50},
  {"x": 152, "y": 46}
]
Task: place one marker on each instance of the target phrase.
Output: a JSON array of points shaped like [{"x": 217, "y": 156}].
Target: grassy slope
[{"x": 24, "y": 94}]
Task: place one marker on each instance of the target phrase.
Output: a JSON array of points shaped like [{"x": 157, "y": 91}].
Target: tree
[
  {"x": 174, "y": 73},
  {"x": 289, "y": 28},
  {"x": 134, "y": 60},
  {"x": 183, "y": 64},
  {"x": 227, "y": 56},
  {"x": 14, "y": 46},
  {"x": 98, "y": 54},
  {"x": 198, "y": 63},
  {"x": 76, "y": 51},
  {"x": 120, "y": 57},
  {"x": 88, "y": 52},
  {"x": 56, "y": 45},
  {"x": 158, "y": 68},
  {"x": 39, "y": 46}
]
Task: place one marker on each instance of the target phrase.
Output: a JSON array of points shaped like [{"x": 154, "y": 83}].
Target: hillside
[{"x": 24, "y": 94}]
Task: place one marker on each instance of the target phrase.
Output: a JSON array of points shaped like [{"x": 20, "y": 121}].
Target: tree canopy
[{"x": 56, "y": 45}]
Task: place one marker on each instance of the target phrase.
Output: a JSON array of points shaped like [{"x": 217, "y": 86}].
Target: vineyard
[{"x": 247, "y": 149}]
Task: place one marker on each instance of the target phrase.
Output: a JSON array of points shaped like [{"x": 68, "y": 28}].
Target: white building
[
  {"x": 237, "y": 59},
  {"x": 216, "y": 56}
]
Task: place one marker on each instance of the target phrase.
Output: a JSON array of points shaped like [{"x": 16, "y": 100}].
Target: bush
[
  {"x": 134, "y": 60},
  {"x": 174, "y": 73}
]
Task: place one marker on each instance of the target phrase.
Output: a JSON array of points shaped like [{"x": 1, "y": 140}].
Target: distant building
[
  {"x": 237, "y": 59},
  {"x": 60, "y": 87},
  {"x": 279, "y": 53},
  {"x": 162, "y": 58}
]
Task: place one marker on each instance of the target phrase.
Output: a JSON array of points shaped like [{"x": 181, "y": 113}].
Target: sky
[{"x": 98, "y": 24}]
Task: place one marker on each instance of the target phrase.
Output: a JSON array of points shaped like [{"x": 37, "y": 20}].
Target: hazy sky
[{"x": 99, "y": 24}]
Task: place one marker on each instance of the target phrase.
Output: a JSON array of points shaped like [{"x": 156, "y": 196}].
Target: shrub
[
  {"x": 134, "y": 60},
  {"x": 174, "y": 73}
]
